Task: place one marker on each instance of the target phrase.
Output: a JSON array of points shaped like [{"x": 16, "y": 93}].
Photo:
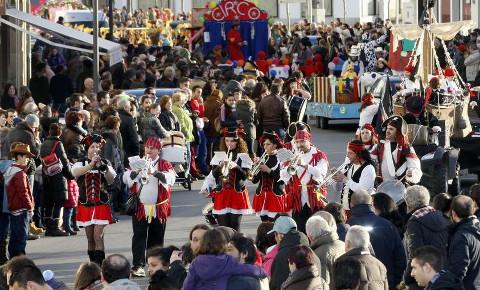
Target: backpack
[{"x": 51, "y": 164}]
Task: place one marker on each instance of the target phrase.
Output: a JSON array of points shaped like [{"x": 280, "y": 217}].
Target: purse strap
[{"x": 54, "y": 147}]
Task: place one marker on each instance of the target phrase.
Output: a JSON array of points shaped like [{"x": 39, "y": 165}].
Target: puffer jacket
[
  {"x": 328, "y": 248},
  {"x": 151, "y": 127},
  {"x": 18, "y": 189},
  {"x": 246, "y": 114}
]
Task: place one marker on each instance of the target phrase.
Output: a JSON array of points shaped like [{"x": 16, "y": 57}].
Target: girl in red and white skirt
[
  {"x": 227, "y": 187},
  {"x": 93, "y": 175},
  {"x": 270, "y": 198}
]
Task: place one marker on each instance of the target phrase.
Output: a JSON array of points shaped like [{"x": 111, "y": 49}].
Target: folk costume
[
  {"x": 235, "y": 42},
  {"x": 93, "y": 211},
  {"x": 229, "y": 194},
  {"x": 150, "y": 218},
  {"x": 395, "y": 158},
  {"x": 270, "y": 198},
  {"x": 370, "y": 144},
  {"x": 304, "y": 196},
  {"x": 358, "y": 176}
]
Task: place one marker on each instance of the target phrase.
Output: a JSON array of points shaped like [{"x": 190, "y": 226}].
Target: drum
[
  {"x": 297, "y": 106},
  {"x": 395, "y": 189}
]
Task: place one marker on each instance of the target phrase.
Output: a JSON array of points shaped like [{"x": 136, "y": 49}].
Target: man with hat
[
  {"x": 20, "y": 198},
  {"x": 152, "y": 186},
  {"x": 305, "y": 197},
  {"x": 287, "y": 236},
  {"x": 416, "y": 114},
  {"x": 353, "y": 59},
  {"x": 396, "y": 158},
  {"x": 235, "y": 42},
  {"x": 360, "y": 172}
]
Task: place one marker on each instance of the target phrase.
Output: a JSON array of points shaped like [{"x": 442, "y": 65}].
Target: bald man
[
  {"x": 464, "y": 250},
  {"x": 384, "y": 236}
]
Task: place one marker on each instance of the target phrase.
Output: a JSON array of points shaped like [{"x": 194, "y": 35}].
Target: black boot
[
  {"x": 74, "y": 220},
  {"x": 53, "y": 228},
  {"x": 91, "y": 255},
  {"x": 99, "y": 257},
  {"x": 3, "y": 252}
]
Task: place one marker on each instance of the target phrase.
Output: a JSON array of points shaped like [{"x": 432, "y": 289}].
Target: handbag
[
  {"x": 132, "y": 204},
  {"x": 51, "y": 164}
]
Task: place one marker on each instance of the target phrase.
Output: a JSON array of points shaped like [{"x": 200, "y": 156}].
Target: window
[
  {"x": 372, "y": 7},
  {"x": 446, "y": 11},
  {"x": 467, "y": 9},
  {"x": 328, "y": 7}
]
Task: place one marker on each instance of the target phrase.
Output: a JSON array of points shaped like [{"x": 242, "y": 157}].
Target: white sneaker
[{"x": 138, "y": 272}]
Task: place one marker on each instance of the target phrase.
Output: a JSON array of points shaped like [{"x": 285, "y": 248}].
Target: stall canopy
[{"x": 69, "y": 37}]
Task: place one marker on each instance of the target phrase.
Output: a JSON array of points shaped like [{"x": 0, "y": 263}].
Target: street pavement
[{"x": 63, "y": 255}]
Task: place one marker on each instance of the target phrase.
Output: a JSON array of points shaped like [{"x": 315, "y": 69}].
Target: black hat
[
  {"x": 397, "y": 122},
  {"x": 414, "y": 104},
  {"x": 232, "y": 132},
  {"x": 273, "y": 136},
  {"x": 92, "y": 138}
]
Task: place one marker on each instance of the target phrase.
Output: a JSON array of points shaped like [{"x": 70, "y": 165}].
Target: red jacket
[{"x": 19, "y": 192}]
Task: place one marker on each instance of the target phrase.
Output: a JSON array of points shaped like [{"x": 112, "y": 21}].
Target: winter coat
[
  {"x": 177, "y": 273},
  {"x": 61, "y": 87},
  {"x": 385, "y": 241},
  {"x": 228, "y": 116},
  {"x": 73, "y": 192},
  {"x": 210, "y": 272},
  {"x": 246, "y": 114},
  {"x": 122, "y": 284},
  {"x": 280, "y": 270},
  {"x": 40, "y": 88},
  {"x": 186, "y": 123},
  {"x": 244, "y": 283},
  {"x": 342, "y": 230},
  {"x": 128, "y": 129},
  {"x": 160, "y": 281},
  {"x": 151, "y": 127},
  {"x": 445, "y": 281},
  {"x": 21, "y": 133},
  {"x": 306, "y": 278},
  {"x": 72, "y": 137},
  {"x": 424, "y": 228},
  {"x": 328, "y": 248},
  {"x": 212, "y": 112},
  {"x": 169, "y": 121},
  {"x": 55, "y": 187},
  {"x": 273, "y": 113},
  {"x": 464, "y": 252},
  {"x": 111, "y": 151},
  {"x": 268, "y": 260},
  {"x": 19, "y": 193},
  {"x": 3, "y": 137},
  {"x": 373, "y": 275},
  {"x": 167, "y": 83},
  {"x": 4, "y": 167}
]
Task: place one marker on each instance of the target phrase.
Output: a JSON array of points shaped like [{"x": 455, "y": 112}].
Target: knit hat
[{"x": 153, "y": 142}]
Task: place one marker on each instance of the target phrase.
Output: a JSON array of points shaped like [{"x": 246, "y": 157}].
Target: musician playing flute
[
  {"x": 360, "y": 172},
  {"x": 226, "y": 181},
  {"x": 153, "y": 186},
  {"x": 270, "y": 198},
  {"x": 305, "y": 197},
  {"x": 395, "y": 157}
]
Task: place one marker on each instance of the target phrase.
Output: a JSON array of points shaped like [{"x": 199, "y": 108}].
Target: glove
[
  {"x": 160, "y": 176},
  {"x": 436, "y": 129}
]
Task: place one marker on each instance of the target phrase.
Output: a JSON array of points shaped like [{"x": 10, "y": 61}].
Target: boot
[
  {"x": 74, "y": 221},
  {"x": 34, "y": 230},
  {"x": 53, "y": 228},
  {"x": 99, "y": 257},
  {"x": 91, "y": 256},
  {"x": 3, "y": 252}
]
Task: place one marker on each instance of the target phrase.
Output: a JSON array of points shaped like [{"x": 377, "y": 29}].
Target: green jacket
[{"x": 186, "y": 123}]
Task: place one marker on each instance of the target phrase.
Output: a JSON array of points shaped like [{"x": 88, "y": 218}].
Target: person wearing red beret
[
  {"x": 152, "y": 185},
  {"x": 304, "y": 194}
]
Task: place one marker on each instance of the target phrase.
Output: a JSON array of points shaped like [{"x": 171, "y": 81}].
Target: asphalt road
[{"x": 64, "y": 254}]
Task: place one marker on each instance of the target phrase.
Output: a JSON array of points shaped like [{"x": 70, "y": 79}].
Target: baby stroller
[{"x": 175, "y": 152}]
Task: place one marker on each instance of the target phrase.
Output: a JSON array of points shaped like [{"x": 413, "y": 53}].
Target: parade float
[{"x": 220, "y": 17}]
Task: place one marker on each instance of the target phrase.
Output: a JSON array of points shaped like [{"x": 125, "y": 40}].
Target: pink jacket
[
  {"x": 268, "y": 260},
  {"x": 72, "y": 200}
]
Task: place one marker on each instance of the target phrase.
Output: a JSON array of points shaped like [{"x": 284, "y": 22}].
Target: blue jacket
[
  {"x": 209, "y": 272},
  {"x": 4, "y": 165},
  {"x": 385, "y": 241}
]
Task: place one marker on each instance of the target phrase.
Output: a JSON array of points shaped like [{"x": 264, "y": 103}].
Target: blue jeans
[
  {"x": 18, "y": 234},
  {"x": 202, "y": 152},
  {"x": 67, "y": 218}
]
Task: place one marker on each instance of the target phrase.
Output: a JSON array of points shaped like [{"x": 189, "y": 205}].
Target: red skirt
[
  {"x": 267, "y": 203},
  {"x": 230, "y": 201},
  {"x": 95, "y": 215}
]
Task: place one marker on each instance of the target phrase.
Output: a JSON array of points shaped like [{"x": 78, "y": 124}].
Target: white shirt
[
  {"x": 366, "y": 182},
  {"x": 317, "y": 173}
]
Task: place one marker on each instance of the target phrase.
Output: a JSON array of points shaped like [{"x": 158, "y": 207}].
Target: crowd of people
[{"x": 75, "y": 154}]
